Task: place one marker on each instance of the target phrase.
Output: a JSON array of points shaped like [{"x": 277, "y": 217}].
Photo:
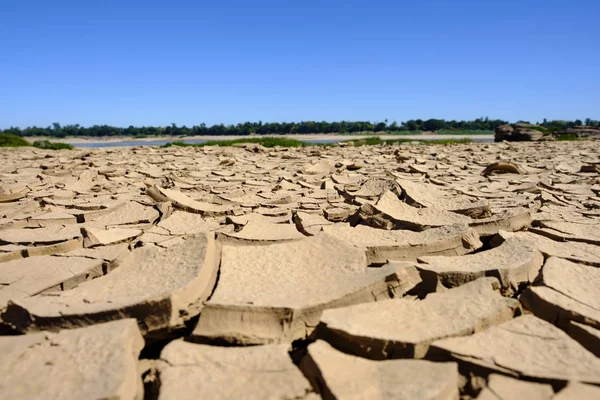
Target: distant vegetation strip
[
  {"x": 9, "y": 140},
  {"x": 283, "y": 142},
  {"x": 441, "y": 126}
]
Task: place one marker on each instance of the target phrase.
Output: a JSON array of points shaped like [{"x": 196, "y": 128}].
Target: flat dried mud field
[{"x": 375, "y": 272}]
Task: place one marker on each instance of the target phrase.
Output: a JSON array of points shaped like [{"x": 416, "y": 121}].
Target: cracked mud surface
[{"x": 380, "y": 272}]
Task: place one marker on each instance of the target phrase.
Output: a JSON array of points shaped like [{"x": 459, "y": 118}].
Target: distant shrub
[
  {"x": 10, "y": 140},
  {"x": 567, "y": 136},
  {"x": 48, "y": 145}
]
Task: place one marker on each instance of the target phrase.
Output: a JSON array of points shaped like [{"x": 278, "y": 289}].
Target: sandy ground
[{"x": 76, "y": 140}]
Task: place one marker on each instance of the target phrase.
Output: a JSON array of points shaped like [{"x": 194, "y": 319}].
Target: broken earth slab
[
  {"x": 310, "y": 224},
  {"x": 431, "y": 196},
  {"x": 500, "y": 387},
  {"x": 573, "y": 251},
  {"x": 578, "y": 391},
  {"x": 110, "y": 255},
  {"x": 186, "y": 203},
  {"x": 587, "y": 336},
  {"x": 381, "y": 246},
  {"x": 566, "y": 291},
  {"x": 184, "y": 223},
  {"x": 513, "y": 263},
  {"x": 31, "y": 276},
  {"x": 195, "y": 371},
  {"x": 94, "y": 362},
  {"x": 524, "y": 347},
  {"x": 103, "y": 237},
  {"x": 510, "y": 220},
  {"x": 391, "y": 213},
  {"x": 276, "y": 293},
  {"x": 404, "y": 328},
  {"x": 373, "y": 188},
  {"x": 262, "y": 233},
  {"x": 568, "y": 231},
  {"x": 40, "y": 236},
  {"x": 131, "y": 213},
  {"x": 341, "y": 376},
  {"x": 161, "y": 288}
]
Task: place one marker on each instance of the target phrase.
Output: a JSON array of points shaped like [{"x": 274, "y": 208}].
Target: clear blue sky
[{"x": 131, "y": 62}]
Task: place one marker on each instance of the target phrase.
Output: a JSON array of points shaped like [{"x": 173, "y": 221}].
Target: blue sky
[{"x": 157, "y": 62}]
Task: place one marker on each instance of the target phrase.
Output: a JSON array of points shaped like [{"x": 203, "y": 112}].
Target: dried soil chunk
[
  {"x": 276, "y": 293},
  {"x": 160, "y": 288},
  {"x": 184, "y": 223},
  {"x": 391, "y": 213},
  {"x": 33, "y": 275},
  {"x": 567, "y": 291},
  {"x": 342, "y": 376},
  {"x": 263, "y": 232},
  {"x": 502, "y": 387},
  {"x": 40, "y": 236},
  {"x": 402, "y": 328},
  {"x": 195, "y": 371},
  {"x": 569, "y": 231},
  {"x": 104, "y": 237},
  {"x": 98, "y": 362},
  {"x": 431, "y": 196},
  {"x": 514, "y": 262},
  {"x": 508, "y": 220},
  {"x": 587, "y": 336},
  {"x": 524, "y": 347},
  {"x": 573, "y": 251},
  {"x": 188, "y": 204},
  {"x": 578, "y": 391},
  {"x": 382, "y": 246}
]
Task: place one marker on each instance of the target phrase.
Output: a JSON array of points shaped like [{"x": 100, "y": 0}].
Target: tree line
[{"x": 260, "y": 128}]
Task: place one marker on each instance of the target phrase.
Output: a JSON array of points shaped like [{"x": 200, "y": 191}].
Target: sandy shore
[{"x": 77, "y": 140}]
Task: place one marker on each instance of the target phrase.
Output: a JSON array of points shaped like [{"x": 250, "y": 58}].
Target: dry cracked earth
[{"x": 382, "y": 272}]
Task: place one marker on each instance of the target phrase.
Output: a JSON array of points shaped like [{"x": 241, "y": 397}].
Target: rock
[
  {"x": 276, "y": 293},
  {"x": 160, "y": 288},
  {"x": 520, "y": 133},
  {"x": 582, "y": 132},
  {"x": 502, "y": 387},
  {"x": 97, "y": 362},
  {"x": 381, "y": 246},
  {"x": 514, "y": 263},
  {"x": 341, "y": 376},
  {"x": 525, "y": 347},
  {"x": 404, "y": 328},
  {"x": 195, "y": 371},
  {"x": 567, "y": 291},
  {"x": 391, "y": 213}
]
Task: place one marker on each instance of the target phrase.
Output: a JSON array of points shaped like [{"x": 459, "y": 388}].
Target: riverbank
[{"x": 312, "y": 138}]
